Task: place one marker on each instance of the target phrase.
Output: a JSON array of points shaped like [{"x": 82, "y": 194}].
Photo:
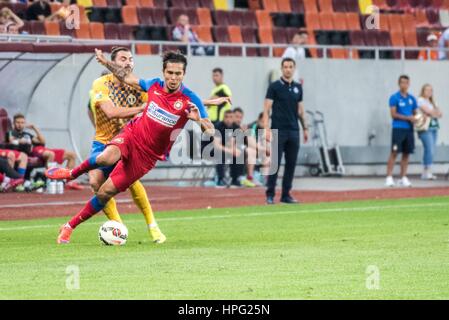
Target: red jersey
[{"x": 155, "y": 131}]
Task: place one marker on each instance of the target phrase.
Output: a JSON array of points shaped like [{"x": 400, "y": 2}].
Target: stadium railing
[{"x": 265, "y": 50}]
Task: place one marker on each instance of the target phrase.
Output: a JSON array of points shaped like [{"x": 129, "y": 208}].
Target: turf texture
[{"x": 350, "y": 250}]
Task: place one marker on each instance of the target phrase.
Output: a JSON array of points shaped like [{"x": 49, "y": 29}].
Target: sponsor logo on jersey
[
  {"x": 296, "y": 90},
  {"x": 162, "y": 116}
]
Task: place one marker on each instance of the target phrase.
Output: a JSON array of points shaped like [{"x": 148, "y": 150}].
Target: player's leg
[
  {"x": 94, "y": 205},
  {"x": 23, "y": 162},
  {"x": 70, "y": 157},
  {"x": 108, "y": 157},
  {"x": 96, "y": 179},
  {"x": 48, "y": 156},
  {"x": 11, "y": 158},
  {"x": 396, "y": 147},
  {"x": 272, "y": 179},
  {"x": 141, "y": 200},
  {"x": 408, "y": 147}
]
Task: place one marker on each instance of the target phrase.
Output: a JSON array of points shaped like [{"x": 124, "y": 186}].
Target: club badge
[
  {"x": 131, "y": 99},
  {"x": 178, "y": 105}
]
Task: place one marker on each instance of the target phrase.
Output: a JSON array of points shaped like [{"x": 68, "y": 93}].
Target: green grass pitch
[{"x": 355, "y": 250}]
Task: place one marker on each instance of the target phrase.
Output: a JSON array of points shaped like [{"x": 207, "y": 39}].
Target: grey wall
[{"x": 352, "y": 94}]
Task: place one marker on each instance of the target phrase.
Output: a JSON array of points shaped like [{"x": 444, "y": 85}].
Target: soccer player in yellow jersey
[{"x": 113, "y": 104}]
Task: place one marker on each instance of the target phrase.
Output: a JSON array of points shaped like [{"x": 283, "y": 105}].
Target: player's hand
[
  {"x": 306, "y": 135},
  {"x": 100, "y": 56},
  {"x": 193, "y": 113},
  {"x": 29, "y": 126},
  {"x": 218, "y": 101},
  {"x": 412, "y": 119}
]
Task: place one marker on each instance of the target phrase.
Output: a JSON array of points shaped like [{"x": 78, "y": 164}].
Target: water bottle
[
  {"x": 60, "y": 187},
  {"x": 51, "y": 187}
]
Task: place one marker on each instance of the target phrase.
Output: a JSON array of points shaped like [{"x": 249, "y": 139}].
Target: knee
[
  {"x": 70, "y": 155},
  {"x": 23, "y": 157},
  {"x": 11, "y": 157},
  {"x": 94, "y": 184},
  {"x": 104, "y": 194}
]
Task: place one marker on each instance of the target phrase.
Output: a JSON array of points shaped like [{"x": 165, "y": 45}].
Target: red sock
[
  {"x": 90, "y": 209},
  {"x": 84, "y": 167},
  {"x": 1, "y": 177},
  {"x": 250, "y": 178}
]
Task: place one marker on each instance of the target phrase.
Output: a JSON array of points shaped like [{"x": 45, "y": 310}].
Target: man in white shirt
[
  {"x": 443, "y": 43},
  {"x": 297, "y": 52}
]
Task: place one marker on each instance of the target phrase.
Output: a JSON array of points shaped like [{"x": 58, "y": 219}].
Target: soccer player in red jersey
[{"x": 145, "y": 140}]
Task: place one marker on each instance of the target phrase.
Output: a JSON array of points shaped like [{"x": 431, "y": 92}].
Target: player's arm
[
  {"x": 268, "y": 104},
  {"x": 112, "y": 112},
  {"x": 39, "y": 138},
  {"x": 397, "y": 116},
  {"x": 302, "y": 120},
  {"x": 216, "y": 101},
  {"x": 124, "y": 75},
  {"x": 197, "y": 112}
]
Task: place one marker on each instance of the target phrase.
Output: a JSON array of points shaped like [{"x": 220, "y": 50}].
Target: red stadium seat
[
  {"x": 159, "y": 17},
  {"x": 204, "y": 17},
  {"x": 129, "y": 15},
  {"x": 312, "y": 21},
  {"x": 270, "y": 5},
  {"x": 235, "y": 34},
  {"x": 221, "y": 17},
  {"x": 52, "y": 28},
  {"x": 264, "y": 19},
  {"x": 297, "y": 6},
  {"x": 353, "y": 21},
  {"x": 145, "y": 16},
  {"x": 284, "y": 6},
  {"x": 37, "y": 27},
  {"x": 126, "y": 32},
  {"x": 326, "y": 20},
  {"x": 325, "y": 6},
  {"x": 248, "y": 19},
  {"x": 143, "y": 49},
  {"x": 339, "y": 21},
  {"x": 111, "y": 31},
  {"x": 96, "y": 30}
]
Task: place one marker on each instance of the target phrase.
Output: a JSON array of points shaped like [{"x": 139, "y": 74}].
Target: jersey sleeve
[
  {"x": 415, "y": 104},
  {"x": 393, "y": 102},
  {"x": 99, "y": 92},
  {"x": 196, "y": 101},
  {"x": 146, "y": 84},
  {"x": 270, "y": 93}
]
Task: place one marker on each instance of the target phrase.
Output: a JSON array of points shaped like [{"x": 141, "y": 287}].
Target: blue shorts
[{"x": 95, "y": 150}]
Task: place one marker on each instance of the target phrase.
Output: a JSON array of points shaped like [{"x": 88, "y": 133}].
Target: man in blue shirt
[{"x": 403, "y": 108}]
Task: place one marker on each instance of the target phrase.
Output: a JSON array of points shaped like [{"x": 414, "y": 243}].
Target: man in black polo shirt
[{"x": 284, "y": 101}]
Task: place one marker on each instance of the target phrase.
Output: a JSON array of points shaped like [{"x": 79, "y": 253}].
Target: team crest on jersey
[
  {"x": 296, "y": 90},
  {"x": 178, "y": 105},
  {"x": 162, "y": 116},
  {"x": 131, "y": 99}
]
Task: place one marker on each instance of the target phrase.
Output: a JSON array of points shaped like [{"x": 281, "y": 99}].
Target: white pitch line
[{"x": 254, "y": 214}]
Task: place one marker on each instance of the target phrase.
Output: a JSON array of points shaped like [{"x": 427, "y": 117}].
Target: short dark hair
[
  {"x": 116, "y": 50},
  {"x": 219, "y": 70},
  {"x": 288, "y": 60},
  {"x": 227, "y": 112},
  {"x": 403, "y": 76},
  {"x": 238, "y": 109},
  {"x": 18, "y": 116},
  {"x": 173, "y": 57}
]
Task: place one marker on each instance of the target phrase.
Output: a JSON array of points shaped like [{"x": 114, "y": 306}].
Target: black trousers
[
  {"x": 7, "y": 170},
  {"x": 288, "y": 143},
  {"x": 235, "y": 170}
]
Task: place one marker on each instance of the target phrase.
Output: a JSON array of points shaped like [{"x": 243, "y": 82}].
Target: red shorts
[
  {"x": 132, "y": 166},
  {"x": 39, "y": 150},
  {"x": 4, "y": 153}
]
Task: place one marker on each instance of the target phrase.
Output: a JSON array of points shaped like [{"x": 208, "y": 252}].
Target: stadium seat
[
  {"x": 352, "y": 6},
  {"x": 421, "y": 35},
  {"x": 221, "y": 34},
  {"x": 248, "y": 19},
  {"x": 433, "y": 17},
  {"x": 129, "y": 15},
  {"x": 135, "y": 3},
  {"x": 410, "y": 38},
  {"x": 357, "y": 38},
  {"x": 143, "y": 49},
  {"x": 207, "y": 4},
  {"x": 297, "y": 6},
  {"x": 381, "y": 4},
  {"x": 263, "y": 19},
  {"x": 444, "y": 18},
  {"x": 339, "y": 21},
  {"x": 326, "y": 20},
  {"x": 384, "y": 23},
  {"x": 249, "y": 36},
  {"x": 397, "y": 38},
  {"x": 159, "y": 17},
  {"x": 64, "y": 31},
  {"x": 126, "y": 32},
  {"x": 55, "y": 6},
  {"x": 111, "y": 31},
  {"x": 279, "y": 37},
  {"x": 178, "y": 4},
  {"x": 270, "y": 5},
  {"x": 284, "y": 6},
  {"x": 310, "y": 6},
  {"x": 145, "y": 16},
  {"x": 280, "y": 19},
  {"x": 394, "y": 22},
  {"x": 52, "y": 28},
  {"x": 339, "y": 5},
  {"x": 146, "y": 3},
  {"x": 408, "y": 22},
  {"x": 114, "y": 3},
  {"x": 421, "y": 18},
  {"x": 254, "y": 5},
  {"x": 96, "y": 14},
  {"x": 353, "y": 21},
  {"x": 37, "y": 27},
  {"x": 100, "y": 3},
  {"x": 160, "y": 3},
  {"x": 204, "y": 33},
  {"x": 326, "y": 6},
  {"x": 221, "y": 17},
  {"x": 83, "y": 31},
  {"x": 16, "y": 47},
  {"x": 192, "y": 3},
  {"x": 96, "y": 30},
  {"x": 337, "y": 53},
  {"x": 112, "y": 15},
  {"x": 235, "y": 18},
  {"x": 312, "y": 21},
  {"x": 204, "y": 17},
  {"x": 403, "y": 5},
  {"x": 235, "y": 34}
]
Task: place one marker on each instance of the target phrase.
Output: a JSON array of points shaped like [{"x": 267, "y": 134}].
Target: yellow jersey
[{"x": 123, "y": 96}]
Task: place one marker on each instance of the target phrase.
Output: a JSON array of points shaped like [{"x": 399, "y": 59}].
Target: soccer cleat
[
  {"x": 390, "y": 182},
  {"x": 64, "y": 234},
  {"x": 12, "y": 184},
  {"x": 73, "y": 185},
  {"x": 404, "y": 182},
  {"x": 270, "y": 200},
  {"x": 428, "y": 176},
  {"x": 289, "y": 200},
  {"x": 157, "y": 235},
  {"x": 58, "y": 173},
  {"x": 247, "y": 183}
]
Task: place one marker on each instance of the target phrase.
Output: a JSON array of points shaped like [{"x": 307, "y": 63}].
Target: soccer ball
[{"x": 113, "y": 233}]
